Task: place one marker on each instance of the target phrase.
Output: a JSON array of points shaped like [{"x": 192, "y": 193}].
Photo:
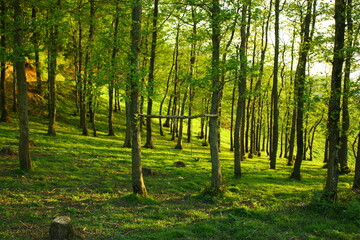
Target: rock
[
  {"x": 147, "y": 171},
  {"x": 179, "y": 164}
]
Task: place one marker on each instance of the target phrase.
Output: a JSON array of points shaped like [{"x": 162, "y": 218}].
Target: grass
[{"x": 88, "y": 179}]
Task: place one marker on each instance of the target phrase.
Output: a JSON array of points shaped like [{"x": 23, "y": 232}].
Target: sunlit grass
[{"x": 89, "y": 179}]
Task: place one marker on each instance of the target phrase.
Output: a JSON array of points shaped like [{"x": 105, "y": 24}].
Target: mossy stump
[{"x": 61, "y": 228}]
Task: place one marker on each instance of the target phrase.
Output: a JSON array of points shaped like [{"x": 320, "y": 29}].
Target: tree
[
  {"x": 149, "y": 142},
  {"x": 240, "y": 112},
  {"x": 274, "y": 93},
  {"x": 24, "y": 148},
  {"x": 4, "y": 112},
  {"x": 52, "y": 62},
  {"x": 330, "y": 190},
  {"x": 134, "y": 79},
  {"x": 216, "y": 175},
  {"x": 300, "y": 78}
]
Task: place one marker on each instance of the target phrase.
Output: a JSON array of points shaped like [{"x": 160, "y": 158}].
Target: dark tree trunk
[
  {"x": 24, "y": 148},
  {"x": 240, "y": 118},
  {"x": 356, "y": 185},
  {"x": 300, "y": 86},
  {"x": 81, "y": 80},
  {"x": 343, "y": 151},
  {"x": 180, "y": 137},
  {"x": 216, "y": 175},
  {"x": 114, "y": 74},
  {"x": 163, "y": 100},
  {"x": 135, "y": 35},
  {"x": 35, "y": 42},
  {"x": 149, "y": 140},
  {"x": 52, "y": 63},
  {"x": 128, "y": 135},
  {"x": 14, "y": 89},
  {"x": 4, "y": 112},
  {"x": 330, "y": 190},
  {"x": 232, "y": 117},
  {"x": 274, "y": 93}
]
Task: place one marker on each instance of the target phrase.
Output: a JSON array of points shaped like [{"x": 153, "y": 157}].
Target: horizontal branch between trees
[{"x": 178, "y": 117}]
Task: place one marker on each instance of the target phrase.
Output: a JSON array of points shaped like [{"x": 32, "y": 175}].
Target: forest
[{"x": 179, "y": 119}]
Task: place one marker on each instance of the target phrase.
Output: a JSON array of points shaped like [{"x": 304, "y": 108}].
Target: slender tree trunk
[
  {"x": 24, "y": 148},
  {"x": 330, "y": 191},
  {"x": 82, "y": 87},
  {"x": 274, "y": 93},
  {"x": 232, "y": 117},
  {"x": 149, "y": 141},
  {"x": 35, "y": 42},
  {"x": 114, "y": 74},
  {"x": 4, "y": 112},
  {"x": 52, "y": 63},
  {"x": 135, "y": 35},
  {"x": 240, "y": 118},
  {"x": 216, "y": 175},
  {"x": 128, "y": 134},
  {"x": 300, "y": 87},
  {"x": 343, "y": 151},
  {"x": 180, "y": 137}
]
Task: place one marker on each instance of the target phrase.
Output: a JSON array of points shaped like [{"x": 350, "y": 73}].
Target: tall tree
[
  {"x": 343, "y": 151},
  {"x": 113, "y": 77},
  {"x": 24, "y": 148},
  {"x": 216, "y": 175},
  {"x": 149, "y": 140},
  {"x": 274, "y": 93},
  {"x": 300, "y": 78},
  {"x": 35, "y": 42},
  {"x": 4, "y": 112},
  {"x": 330, "y": 190},
  {"x": 52, "y": 62},
  {"x": 134, "y": 78},
  {"x": 240, "y": 112}
]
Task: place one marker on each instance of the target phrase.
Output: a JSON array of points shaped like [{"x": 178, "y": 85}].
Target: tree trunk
[
  {"x": 274, "y": 93},
  {"x": 114, "y": 74},
  {"x": 343, "y": 151},
  {"x": 52, "y": 63},
  {"x": 128, "y": 135},
  {"x": 356, "y": 185},
  {"x": 149, "y": 141},
  {"x": 240, "y": 118},
  {"x": 82, "y": 87},
  {"x": 35, "y": 42},
  {"x": 4, "y": 112},
  {"x": 135, "y": 35},
  {"x": 24, "y": 151},
  {"x": 216, "y": 175},
  {"x": 330, "y": 190},
  {"x": 300, "y": 86}
]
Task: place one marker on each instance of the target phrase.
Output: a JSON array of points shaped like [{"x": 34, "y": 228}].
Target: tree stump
[
  {"x": 62, "y": 229},
  {"x": 179, "y": 164}
]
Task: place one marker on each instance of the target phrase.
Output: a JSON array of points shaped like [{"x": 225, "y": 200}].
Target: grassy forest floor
[{"x": 89, "y": 180}]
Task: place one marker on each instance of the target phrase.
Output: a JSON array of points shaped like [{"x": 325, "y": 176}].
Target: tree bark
[
  {"x": 300, "y": 86},
  {"x": 240, "y": 112},
  {"x": 216, "y": 175},
  {"x": 114, "y": 74},
  {"x": 24, "y": 148},
  {"x": 356, "y": 185},
  {"x": 52, "y": 63},
  {"x": 343, "y": 151},
  {"x": 35, "y": 42},
  {"x": 330, "y": 190},
  {"x": 274, "y": 93},
  {"x": 4, "y": 112},
  {"x": 149, "y": 140},
  {"x": 135, "y": 36}
]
